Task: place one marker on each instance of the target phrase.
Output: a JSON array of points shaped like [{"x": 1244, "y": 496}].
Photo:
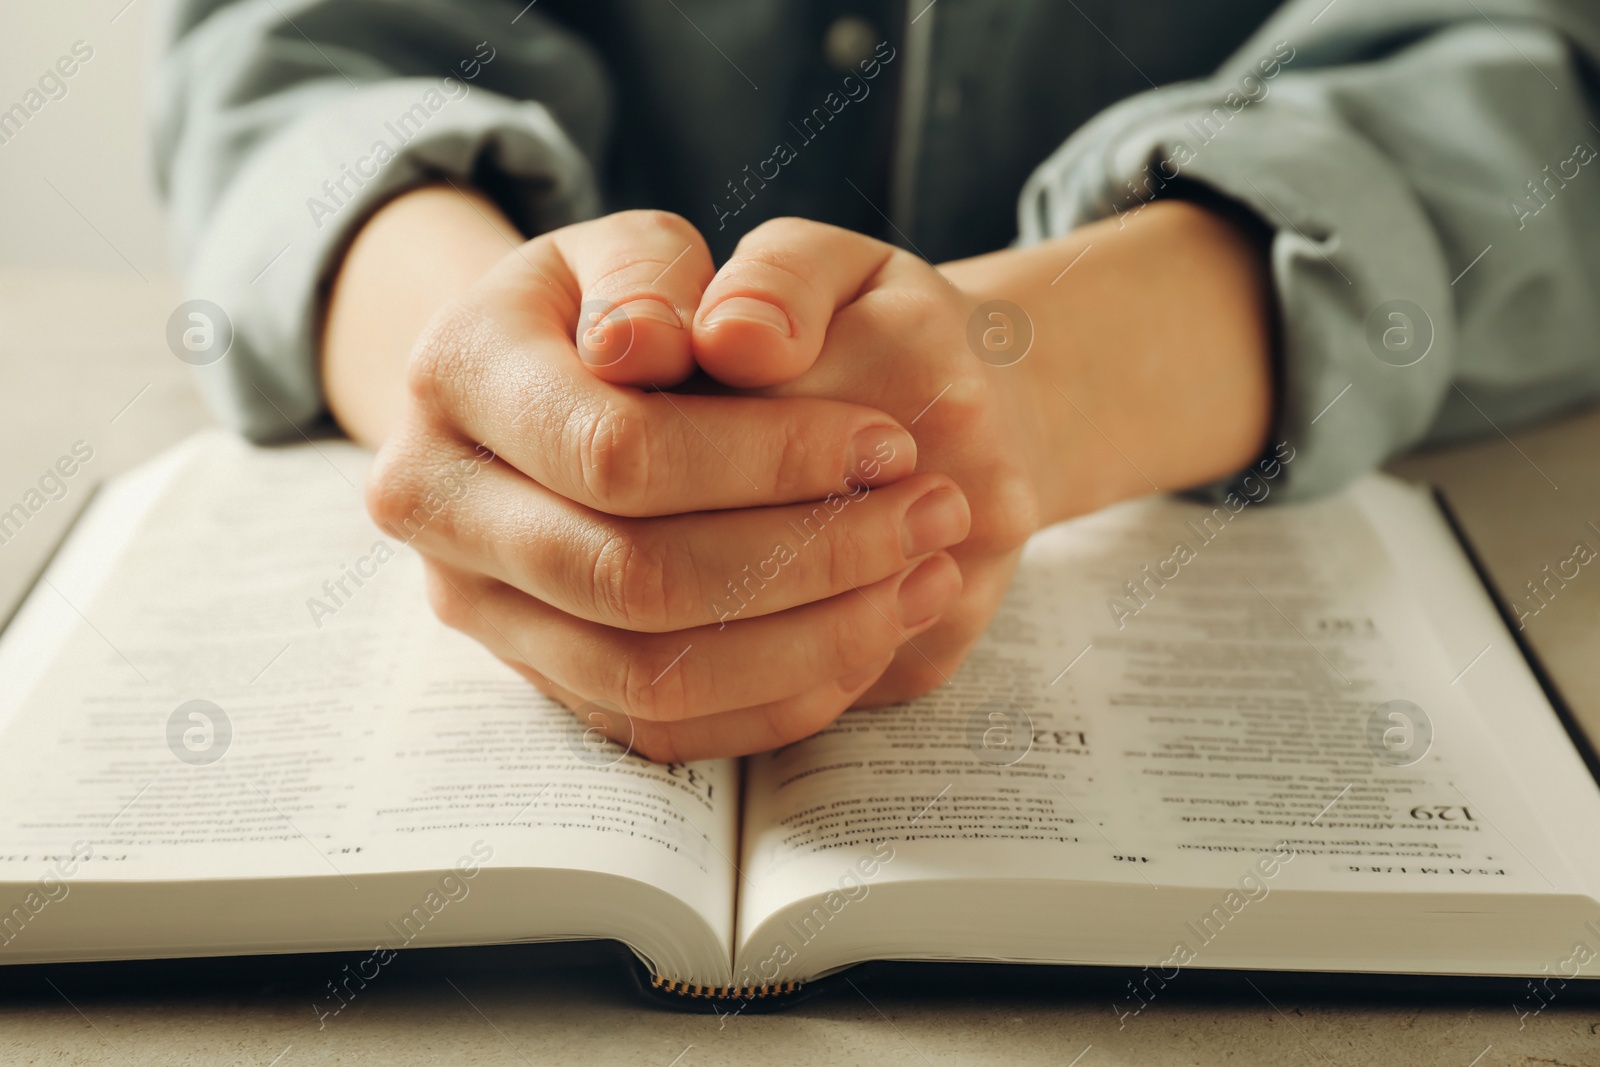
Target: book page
[
  {"x": 257, "y": 689},
  {"x": 1169, "y": 693}
]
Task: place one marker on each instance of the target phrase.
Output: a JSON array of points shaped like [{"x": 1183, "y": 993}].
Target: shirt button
[{"x": 849, "y": 42}]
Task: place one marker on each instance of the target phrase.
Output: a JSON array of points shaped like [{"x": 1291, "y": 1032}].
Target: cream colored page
[
  {"x": 1176, "y": 735},
  {"x": 357, "y": 736}
]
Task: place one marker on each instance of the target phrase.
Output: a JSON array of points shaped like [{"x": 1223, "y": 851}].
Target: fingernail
[
  {"x": 748, "y": 309},
  {"x": 879, "y": 455},
  {"x": 938, "y": 520},
  {"x": 654, "y": 310},
  {"x": 865, "y": 676},
  {"x": 926, "y": 591}
]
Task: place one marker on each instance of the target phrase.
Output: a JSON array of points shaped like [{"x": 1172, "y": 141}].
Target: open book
[{"x": 1303, "y": 740}]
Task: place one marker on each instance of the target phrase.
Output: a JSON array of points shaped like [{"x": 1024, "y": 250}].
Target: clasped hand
[{"x": 734, "y": 503}]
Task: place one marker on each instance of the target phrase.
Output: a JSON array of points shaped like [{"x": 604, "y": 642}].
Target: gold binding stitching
[{"x": 685, "y": 989}]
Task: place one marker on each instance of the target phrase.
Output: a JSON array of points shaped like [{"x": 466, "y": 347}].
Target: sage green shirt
[{"x": 1427, "y": 168}]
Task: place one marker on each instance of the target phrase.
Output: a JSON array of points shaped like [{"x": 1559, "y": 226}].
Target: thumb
[
  {"x": 641, "y": 275},
  {"x": 763, "y": 318}
]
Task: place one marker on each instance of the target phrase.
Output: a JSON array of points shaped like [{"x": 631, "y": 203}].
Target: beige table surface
[{"x": 82, "y": 357}]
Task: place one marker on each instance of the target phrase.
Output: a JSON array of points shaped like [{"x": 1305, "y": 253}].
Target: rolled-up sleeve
[
  {"x": 1429, "y": 176},
  {"x": 281, "y": 126}
]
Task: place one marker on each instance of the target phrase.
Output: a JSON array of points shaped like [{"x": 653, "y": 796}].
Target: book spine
[{"x": 687, "y": 989}]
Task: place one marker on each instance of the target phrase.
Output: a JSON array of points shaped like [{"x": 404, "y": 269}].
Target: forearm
[
  {"x": 414, "y": 256},
  {"x": 1151, "y": 363}
]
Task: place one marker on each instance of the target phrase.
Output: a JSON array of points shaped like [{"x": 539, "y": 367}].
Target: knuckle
[
  {"x": 783, "y": 231},
  {"x": 394, "y": 494},
  {"x": 613, "y": 451},
  {"x": 649, "y": 218},
  {"x": 1013, "y": 513},
  {"x": 846, "y": 548},
  {"x": 973, "y": 385},
  {"x": 770, "y": 249},
  {"x": 433, "y": 358},
  {"x": 972, "y": 396},
  {"x": 845, "y": 639},
  {"x": 636, "y": 260},
  {"x": 439, "y": 366},
  {"x": 805, "y": 463},
  {"x": 650, "y": 686},
  {"x": 628, "y": 579},
  {"x": 912, "y": 314},
  {"x": 447, "y": 602}
]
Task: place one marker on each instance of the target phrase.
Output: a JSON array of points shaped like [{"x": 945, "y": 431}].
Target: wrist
[
  {"x": 1150, "y": 367},
  {"x": 420, "y": 251}
]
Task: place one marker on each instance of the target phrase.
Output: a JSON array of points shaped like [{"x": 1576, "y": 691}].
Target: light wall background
[{"x": 91, "y": 144}]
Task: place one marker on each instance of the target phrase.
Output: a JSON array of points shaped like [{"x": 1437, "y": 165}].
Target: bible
[{"x": 1242, "y": 736}]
